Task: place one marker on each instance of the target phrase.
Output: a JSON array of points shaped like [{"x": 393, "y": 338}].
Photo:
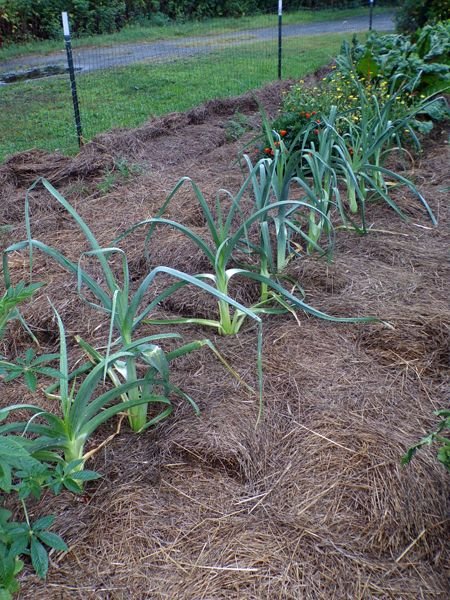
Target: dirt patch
[{"x": 313, "y": 502}]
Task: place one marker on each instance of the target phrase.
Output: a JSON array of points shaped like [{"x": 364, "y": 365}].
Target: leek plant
[
  {"x": 357, "y": 160},
  {"x": 275, "y": 181},
  {"x": 226, "y": 242},
  {"x": 319, "y": 181},
  {"x": 124, "y": 309},
  {"x": 370, "y": 133},
  {"x": 82, "y": 411}
]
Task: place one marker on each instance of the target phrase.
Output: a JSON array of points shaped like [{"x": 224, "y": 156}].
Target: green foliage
[
  {"x": 372, "y": 101},
  {"x": 435, "y": 437},
  {"x": 11, "y": 299},
  {"x": 23, "y": 474},
  {"x": 120, "y": 172},
  {"x": 26, "y": 470},
  {"x": 82, "y": 409},
  {"x": 414, "y": 14},
  {"x": 423, "y": 65},
  {"x": 25, "y": 19},
  {"x": 29, "y": 367},
  {"x": 237, "y": 233}
]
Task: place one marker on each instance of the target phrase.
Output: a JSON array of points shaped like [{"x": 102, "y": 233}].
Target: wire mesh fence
[{"x": 125, "y": 79}]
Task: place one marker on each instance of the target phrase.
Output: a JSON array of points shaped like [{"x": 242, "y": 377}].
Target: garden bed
[{"x": 311, "y": 503}]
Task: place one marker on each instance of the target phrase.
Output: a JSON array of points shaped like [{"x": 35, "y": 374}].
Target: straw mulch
[{"x": 311, "y": 503}]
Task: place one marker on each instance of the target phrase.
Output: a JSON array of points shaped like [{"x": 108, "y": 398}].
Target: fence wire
[{"x": 168, "y": 68}]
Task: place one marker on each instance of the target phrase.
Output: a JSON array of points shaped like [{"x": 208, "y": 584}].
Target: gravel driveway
[{"x": 91, "y": 59}]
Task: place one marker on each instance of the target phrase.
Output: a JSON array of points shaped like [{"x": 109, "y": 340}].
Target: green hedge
[{"x": 414, "y": 14}]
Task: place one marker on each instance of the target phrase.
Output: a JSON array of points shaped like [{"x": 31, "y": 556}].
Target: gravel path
[{"x": 91, "y": 59}]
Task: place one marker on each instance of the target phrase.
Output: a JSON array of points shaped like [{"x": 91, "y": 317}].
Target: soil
[{"x": 312, "y": 502}]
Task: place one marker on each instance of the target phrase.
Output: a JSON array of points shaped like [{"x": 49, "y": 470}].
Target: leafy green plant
[
  {"x": 29, "y": 367},
  {"x": 121, "y": 170},
  {"x": 114, "y": 297},
  {"x": 26, "y": 469},
  {"x": 24, "y": 474},
  {"x": 435, "y": 437},
  {"x": 421, "y": 64}
]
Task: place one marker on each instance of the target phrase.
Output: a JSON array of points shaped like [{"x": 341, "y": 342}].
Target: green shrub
[
  {"x": 414, "y": 14},
  {"x": 41, "y": 19}
]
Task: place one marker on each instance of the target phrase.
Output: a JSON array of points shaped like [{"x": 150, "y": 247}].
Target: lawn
[{"x": 38, "y": 113}]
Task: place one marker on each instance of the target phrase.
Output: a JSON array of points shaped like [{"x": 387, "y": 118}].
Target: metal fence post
[
  {"x": 280, "y": 35},
  {"x": 370, "y": 14},
  {"x": 73, "y": 84}
]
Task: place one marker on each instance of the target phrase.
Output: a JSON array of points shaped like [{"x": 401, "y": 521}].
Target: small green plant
[
  {"x": 120, "y": 172},
  {"x": 27, "y": 471},
  {"x": 236, "y": 127},
  {"x": 10, "y": 300},
  {"x": 436, "y": 437},
  {"x": 29, "y": 367}
]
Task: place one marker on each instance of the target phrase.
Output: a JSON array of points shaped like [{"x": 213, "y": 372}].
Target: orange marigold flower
[
  {"x": 267, "y": 150},
  {"x": 316, "y": 131},
  {"x": 307, "y": 115},
  {"x": 283, "y": 132}
]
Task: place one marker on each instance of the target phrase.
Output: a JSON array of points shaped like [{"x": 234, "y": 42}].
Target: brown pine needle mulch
[{"x": 313, "y": 502}]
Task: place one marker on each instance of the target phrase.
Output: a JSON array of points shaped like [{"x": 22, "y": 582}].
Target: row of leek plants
[
  {"x": 348, "y": 156},
  {"x": 126, "y": 352}
]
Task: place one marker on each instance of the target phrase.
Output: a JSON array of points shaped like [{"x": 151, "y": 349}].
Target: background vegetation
[{"x": 414, "y": 14}]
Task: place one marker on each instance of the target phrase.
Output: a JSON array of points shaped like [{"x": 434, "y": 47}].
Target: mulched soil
[{"x": 310, "y": 503}]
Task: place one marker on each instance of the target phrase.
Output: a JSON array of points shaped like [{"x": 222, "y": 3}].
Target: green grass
[
  {"x": 39, "y": 113},
  {"x": 149, "y": 33}
]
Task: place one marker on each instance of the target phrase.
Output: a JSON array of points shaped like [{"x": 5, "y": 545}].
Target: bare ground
[{"x": 312, "y": 503}]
